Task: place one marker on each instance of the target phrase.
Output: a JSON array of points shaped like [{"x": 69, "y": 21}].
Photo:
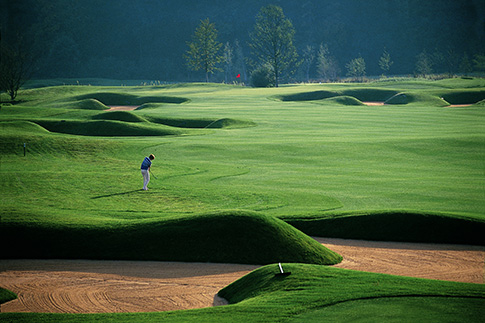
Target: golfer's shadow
[{"x": 115, "y": 194}]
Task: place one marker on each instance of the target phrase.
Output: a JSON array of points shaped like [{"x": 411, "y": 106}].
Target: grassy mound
[
  {"x": 464, "y": 97},
  {"x": 312, "y": 290},
  {"x": 480, "y": 103},
  {"x": 425, "y": 99},
  {"x": 343, "y": 100},
  {"x": 113, "y": 98},
  {"x": 369, "y": 94},
  {"x": 14, "y": 134},
  {"x": 119, "y": 116},
  {"x": 233, "y": 237},
  {"x": 88, "y": 104},
  {"x": 24, "y": 127},
  {"x": 107, "y": 128},
  {"x": 307, "y": 96},
  {"x": 6, "y": 295},
  {"x": 361, "y": 94},
  {"x": 85, "y": 104},
  {"x": 201, "y": 123},
  {"x": 395, "y": 226}
]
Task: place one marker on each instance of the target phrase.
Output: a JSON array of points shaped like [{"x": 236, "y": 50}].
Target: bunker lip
[
  {"x": 373, "y": 103},
  {"x": 458, "y": 105},
  {"x": 89, "y": 286},
  {"x": 122, "y": 107}
]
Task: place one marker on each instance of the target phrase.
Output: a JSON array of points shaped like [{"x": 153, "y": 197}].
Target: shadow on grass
[{"x": 115, "y": 194}]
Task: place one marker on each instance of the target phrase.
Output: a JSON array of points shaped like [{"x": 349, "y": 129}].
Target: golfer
[{"x": 145, "y": 170}]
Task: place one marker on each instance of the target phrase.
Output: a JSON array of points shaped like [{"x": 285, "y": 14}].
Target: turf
[
  {"x": 6, "y": 295},
  {"x": 235, "y": 237},
  {"x": 234, "y": 161}
]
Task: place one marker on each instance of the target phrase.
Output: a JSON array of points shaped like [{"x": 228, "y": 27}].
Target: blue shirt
[{"x": 146, "y": 163}]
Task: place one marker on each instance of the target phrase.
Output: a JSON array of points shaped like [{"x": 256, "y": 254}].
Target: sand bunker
[
  {"x": 459, "y": 105},
  {"x": 122, "y": 107},
  {"x": 459, "y": 263},
  {"x": 373, "y": 103},
  {"x": 84, "y": 286}
]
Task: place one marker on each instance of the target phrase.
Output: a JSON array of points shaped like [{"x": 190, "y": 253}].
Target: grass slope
[
  {"x": 6, "y": 295},
  {"x": 108, "y": 128},
  {"x": 405, "y": 226},
  {"x": 234, "y": 237}
]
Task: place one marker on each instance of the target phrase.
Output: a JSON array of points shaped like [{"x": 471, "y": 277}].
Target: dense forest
[{"x": 147, "y": 39}]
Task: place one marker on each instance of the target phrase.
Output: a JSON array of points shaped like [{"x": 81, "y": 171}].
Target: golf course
[{"x": 250, "y": 177}]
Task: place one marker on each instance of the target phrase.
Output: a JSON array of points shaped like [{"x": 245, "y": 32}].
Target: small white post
[{"x": 281, "y": 268}]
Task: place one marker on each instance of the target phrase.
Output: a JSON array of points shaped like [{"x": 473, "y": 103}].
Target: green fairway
[
  {"x": 287, "y": 158},
  {"x": 234, "y": 164}
]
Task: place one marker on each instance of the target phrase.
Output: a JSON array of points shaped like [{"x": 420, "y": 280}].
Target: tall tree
[
  {"x": 228, "y": 62},
  {"x": 385, "y": 62},
  {"x": 479, "y": 62},
  {"x": 239, "y": 61},
  {"x": 203, "y": 53},
  {"x": 15, "y": 68},
  {"x": 308, "y": 58},
  {"x": 272, "y": 40},
  {"x": 356, "y": 68},
  {"x": 465, "y": 65},
  {"x": 327, "y": 65},
  {"x": 424, "y": 65}
]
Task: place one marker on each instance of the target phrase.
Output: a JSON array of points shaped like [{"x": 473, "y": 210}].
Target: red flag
[{"x": 238, "y": 76}]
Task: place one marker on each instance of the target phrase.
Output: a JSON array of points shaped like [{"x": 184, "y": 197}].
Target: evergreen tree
[
  {"x": 203, "y": 53},
  {"x": 479, "y": 62},
  {"x": 272, "y": 41},
  {"x": 239, "y": 62},
  {"x": 356, "y": 68},
  {"x": 308, "y": 58},
  {"x": 424, "y": 65},
  {"x": 228, "y": 62},
  {"x": 327, "y": 66},
  {"x": 466, "y": 65},
  {"x": 385, "y": 62}
]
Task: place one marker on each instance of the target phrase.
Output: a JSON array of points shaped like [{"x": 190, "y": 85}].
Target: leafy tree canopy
[
  {"x": 203, "y": 53},
  {"x": 272, "y": 40}
]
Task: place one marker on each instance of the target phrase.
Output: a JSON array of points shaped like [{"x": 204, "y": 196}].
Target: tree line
[
  {"x": 272, "y": 45},
  {"x": 333, "y": 39}
]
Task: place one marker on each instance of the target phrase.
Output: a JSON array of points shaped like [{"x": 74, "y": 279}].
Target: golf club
[{"x": 153, "y": 175}]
